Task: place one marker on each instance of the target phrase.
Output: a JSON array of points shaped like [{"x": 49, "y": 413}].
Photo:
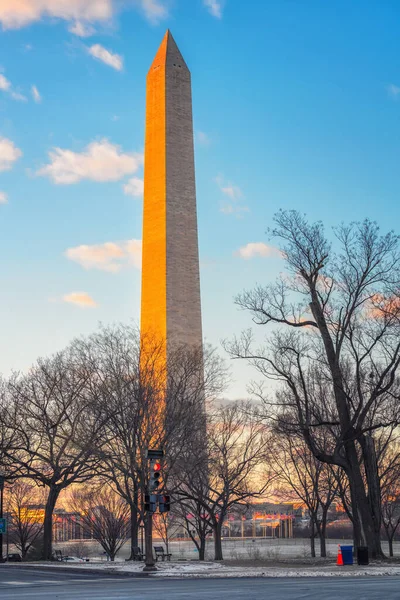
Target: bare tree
[
  {"x": 145, "y": 402},
  {"x": 336, "y": 337},
  {"x": 26, "y": 526},
  {"x": 227, "y": 471},
  {"x": 388, "y": 457},
  {"x": 104, "y": 515},
  {"x": 300, "y": 474},
  {"x": 165, "y": 525},
  {"x": 53, "y": 429},
  {"x": 195, "y": 520}
]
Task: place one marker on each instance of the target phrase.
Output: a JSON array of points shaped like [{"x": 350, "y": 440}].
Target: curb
[{"x": 106, "y": 573}]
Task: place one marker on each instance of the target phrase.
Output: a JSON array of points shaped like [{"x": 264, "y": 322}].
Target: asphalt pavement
[{"x": 25, "y": 584}]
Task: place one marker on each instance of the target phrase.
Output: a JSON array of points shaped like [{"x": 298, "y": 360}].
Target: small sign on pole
[{"x": 3, "y": 525}]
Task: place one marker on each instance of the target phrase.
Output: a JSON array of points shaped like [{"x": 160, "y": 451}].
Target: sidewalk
[{"x": 220, "y": 570}]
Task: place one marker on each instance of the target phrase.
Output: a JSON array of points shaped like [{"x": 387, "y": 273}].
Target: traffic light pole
[{"x": 149, "y": 566}]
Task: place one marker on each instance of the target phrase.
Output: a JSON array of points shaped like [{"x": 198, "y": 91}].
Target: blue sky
[{"x": 296, "y": 105}]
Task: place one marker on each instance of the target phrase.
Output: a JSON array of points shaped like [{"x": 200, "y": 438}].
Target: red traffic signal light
[
  {"x": 155, "y": 475},
  {"x": 164, "y": 503}
]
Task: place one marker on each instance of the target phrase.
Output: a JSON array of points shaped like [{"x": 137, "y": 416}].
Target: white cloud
[
  {"x": 19, "y": 97},
  {"x": 9, "y": 153},
  {"x": 203, "y": 139},
  {"x": 393, "y": 91},
  {"x": 133, "y": 248},
  {"x": 229, "y": 189},
  {"x": 35, "y": 94},
  {"x": 111, "y": 256},
  {"x": 15, "y": 14},
  {"x": 81, "y": 299},
  {"x": 3, "y": 198},
  {"x": 234, "y": 193},
  {"x": 112, "y": 60},
  {"x": 214, "y": 7},
  {"x": 5, "y": 85},
  {"x": 233, "y": 209},
  {"x": 80, "y": 29},
  {"x": 253, "y": 249},
  {"x": 100, "y": 161},
  {"x": 80, "y": 15},
  {"x": 134, "y": 187},
  {"x": 154, "y": 10}
]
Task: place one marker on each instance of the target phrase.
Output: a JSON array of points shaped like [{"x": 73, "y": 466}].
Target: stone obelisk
[{"x": 170, "y": 306}]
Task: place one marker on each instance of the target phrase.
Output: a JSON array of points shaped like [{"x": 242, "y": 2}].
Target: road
[{"x": 27, "y": 584}]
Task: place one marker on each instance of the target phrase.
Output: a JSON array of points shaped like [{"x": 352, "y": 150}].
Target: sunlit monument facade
[{"x": 170, "y": 305}]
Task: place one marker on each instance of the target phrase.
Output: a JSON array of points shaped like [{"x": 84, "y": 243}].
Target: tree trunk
[
  {"x": 134, "y": 530},
  {"x": 217, "y": 541},
  {"x": 372, "y": 476},
  {"x": 364, "y": 521},
  {"x": 54, "y": 492},
  {"x": 322, "y": 543},
  {"x": 202, "y": 548},
  {"x": 390, "y": 540},
  {"x": 322, "y": 533},
  {"x": 312, "y": 539}
]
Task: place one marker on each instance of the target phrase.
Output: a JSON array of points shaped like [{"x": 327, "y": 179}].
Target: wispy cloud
[
  {"x": 134, "y": 187},
  {"x": 36, "y": 95},
  {"x": 3, "y": 198},
  {"x": 203, "y": 138},
  {"x": 110, "y": 256},
  {"x": 16, "y": 14},
  {"x": 393, "y": 91},
  {"x": 5, "y": 86},
  {"x": 253, "y": 249},
  {"x": 9, "y": 153},
  {"x": 81, "y": 29},
  {"x": 234, "y": 193},
  {"x": 214, "y": 7},
  {"x": 154, "y": 10},
  {"x": 100, "y": 161},
  {"x": 107, "y": 57},
  {"x": 229, "y": 189},
  {"x": 81, "y": 299}
]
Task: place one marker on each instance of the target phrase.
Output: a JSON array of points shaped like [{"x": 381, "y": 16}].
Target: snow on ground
[
  {"x": 210, "y": 569},
  {"x": 233, "y": 549}
]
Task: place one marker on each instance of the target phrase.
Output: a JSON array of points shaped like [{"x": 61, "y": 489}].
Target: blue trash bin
[{"x": 347, "y": 554}]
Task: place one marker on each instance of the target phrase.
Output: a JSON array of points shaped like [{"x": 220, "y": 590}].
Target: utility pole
[{"x": 150, "y": 505}]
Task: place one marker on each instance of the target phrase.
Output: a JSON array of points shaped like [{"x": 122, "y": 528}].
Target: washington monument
[{"x": 171, "y": 308}]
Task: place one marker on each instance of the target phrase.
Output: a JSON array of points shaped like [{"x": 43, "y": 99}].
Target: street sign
[{"x": 3, "y": 526}]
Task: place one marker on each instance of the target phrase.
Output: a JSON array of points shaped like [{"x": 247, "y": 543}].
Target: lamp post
[{"x": 1, "y": 514}]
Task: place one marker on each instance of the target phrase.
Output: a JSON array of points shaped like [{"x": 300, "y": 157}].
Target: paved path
[{"x": 26, "y": 584}]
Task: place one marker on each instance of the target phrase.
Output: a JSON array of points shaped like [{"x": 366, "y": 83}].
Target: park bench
[
  {"x": 137, "y": 553},
  {"x": 159, "y": 550},
  {"x": 57, "y": 555}
]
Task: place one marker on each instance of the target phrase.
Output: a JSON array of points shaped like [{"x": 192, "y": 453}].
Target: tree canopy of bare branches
[
  {"x": 53, "y": 430},
  {"x": 104, "y": 515},
  {"x": 226, "y": 470},
  {"x": 334, "y": 348},
  {"x": 26, "y": 523}
]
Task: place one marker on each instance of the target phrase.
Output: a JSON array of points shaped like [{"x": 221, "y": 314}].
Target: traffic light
[
  {"x": 150, "y": 504},
  {"x": 155, "y": 475},
  {"x": 164, "y": 503}
]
